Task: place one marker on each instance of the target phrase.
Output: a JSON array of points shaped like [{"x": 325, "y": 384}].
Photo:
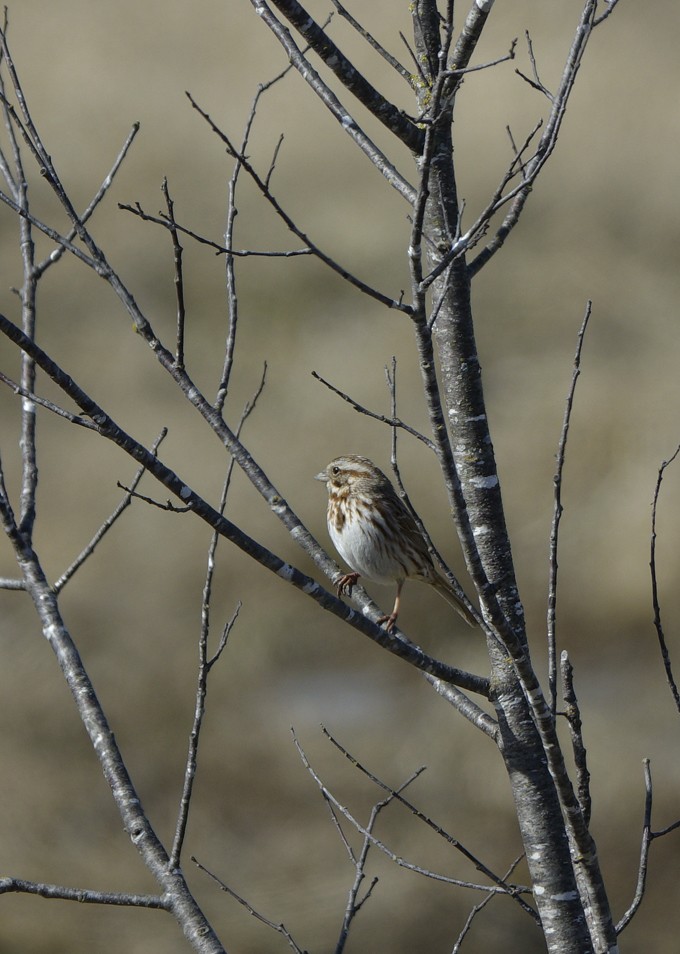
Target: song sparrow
[{"x": 376, "y": 534}]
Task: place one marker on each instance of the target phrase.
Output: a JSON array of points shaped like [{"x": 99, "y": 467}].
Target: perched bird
[{"x": 376, "y": 534}]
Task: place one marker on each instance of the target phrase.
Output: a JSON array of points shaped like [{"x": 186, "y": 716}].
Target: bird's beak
[{"x": 322, "y": 476}]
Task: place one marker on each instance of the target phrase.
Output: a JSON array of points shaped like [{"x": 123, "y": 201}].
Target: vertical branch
[
  {"x": 647, "y": 837},
  {"x": 177, "y": 251},
  {"x": 205, "y": 664},
  {"x": 557, "y": 517},
  {"x": 573, "y": 716},
  {"x": 136, "y": 823},
  {"x": 18, "y": 187},
  {"x": 655, "y": 591},
  {"x": 230, "y": 270}
]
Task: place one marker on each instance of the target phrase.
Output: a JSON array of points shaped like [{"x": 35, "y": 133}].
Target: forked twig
[
  {"x": 354, "y": 904},
  {"x": 236, "y": 154},
  {"x": 109, "y": 522},
  {"x": 478, "y": 908},
  {"x": 206, "y": 663},
  {"x": 536, "y": 81},
  {"x": 500, "y": 885},
  {"x": 648, "y": 836}
]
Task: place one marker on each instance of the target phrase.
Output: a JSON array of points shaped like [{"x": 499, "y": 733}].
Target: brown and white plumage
[{"x": 376, "y": 534}]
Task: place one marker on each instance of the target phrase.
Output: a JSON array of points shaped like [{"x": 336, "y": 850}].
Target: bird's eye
[{"x": 335, "y": 470}]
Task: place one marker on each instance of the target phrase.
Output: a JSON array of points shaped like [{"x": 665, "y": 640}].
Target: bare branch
[
  {"x": 665, "y": 655},
  {"x": 397, "y": 859},
  {"x": 536, "y": 82},
  {"x": 501, "y": 885},
  {"x": 55, "y": 255},
  {"x": 333, "y": 104},
  {"x": 557, "y": 515},
  {"x": 81, "y": 895},
  {"x": 205, "y": 664},
  {"x": 262, "y": 186},
  {"x": 573, "y": 717},
  {"x": 470, "y": 34},
  {"x": 645, "y": 845},
  {"x": 351, "y": 78},
  {"x": 48, "y": 405},
  {"x": 279, "y": 928},
  {"x": 520, "y": 193},
  {"x": 394, "y": 641},
  {"x": 478, "y": 908},
  {"x": 177, "y": 252},
  {"x": 354, "y": 905},
  {"x": 393, "y": 62},
  {"x": 220, "y": 249},
  {"x": 177, "y": 897},
  {"x": 108, "y": 523},
  {"x": 393, "y": 421}
]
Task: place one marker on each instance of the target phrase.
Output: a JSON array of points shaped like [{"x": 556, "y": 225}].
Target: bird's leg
[
  {"x": 390, "y": 620},
  {"x": 346, "y": 582}
]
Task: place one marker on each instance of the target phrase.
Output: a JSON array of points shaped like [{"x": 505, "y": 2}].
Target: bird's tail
[{"x": 446, "y": 590}]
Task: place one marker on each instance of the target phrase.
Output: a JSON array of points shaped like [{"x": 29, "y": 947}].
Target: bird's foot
[
  {"x": 388, "y": 621},
  {"x": 346, "y": 582}
]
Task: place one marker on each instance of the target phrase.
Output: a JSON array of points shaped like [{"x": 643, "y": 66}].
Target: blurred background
[{"x": 602, "y": 224}]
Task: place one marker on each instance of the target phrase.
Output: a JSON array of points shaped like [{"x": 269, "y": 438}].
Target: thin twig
[
  {"x": 280, "y": 211},
  {"x": 177, "y": 252},
  {"x": 418, "y": 70},
  {"x": 536, "y": 82},
  {"x": 501, "y": 886},
  {"x": 335, "y": 107},
  {"x": 48, "y": 405},
  {"x": 220, "y": 249},
  {"x": 393, "y": 62},
  {"x": 557, "y": 516},
  {"x": 57, "y": 253},
  {"x": 353, "y": 904},
  {"x": 108, "y": 523},
  {"x": 205, "y": 664},
  {"x": 646, "y": 842},
  {"x": 230, "y": 265},
  {"x": 393, "y": 421},
  {"x": 280, "y": 928},
  {"x": 665, "y": 655},
  {"x": 480, "y": 907},
  {"x": 397, "y": 859}
]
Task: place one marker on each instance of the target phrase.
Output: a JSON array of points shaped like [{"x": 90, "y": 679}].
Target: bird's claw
[
  {"x": 346, "y": 582},
  {"x": 389, "y": 621}
]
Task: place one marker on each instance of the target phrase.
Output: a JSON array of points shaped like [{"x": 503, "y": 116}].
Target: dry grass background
[{"x": 602, "y": 224}]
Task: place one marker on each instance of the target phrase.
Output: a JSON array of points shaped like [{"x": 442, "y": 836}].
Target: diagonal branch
[
  {"x": 378, "y": 47},
  {"x": 319, "y": 41},
  {"x": 263, "y": 186},
  {"x": 177, "y": 897},
  {"x": 395, "y": 642},
  {"x": 519, "y": 195},
  {"x": 332, "y": 103}
]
